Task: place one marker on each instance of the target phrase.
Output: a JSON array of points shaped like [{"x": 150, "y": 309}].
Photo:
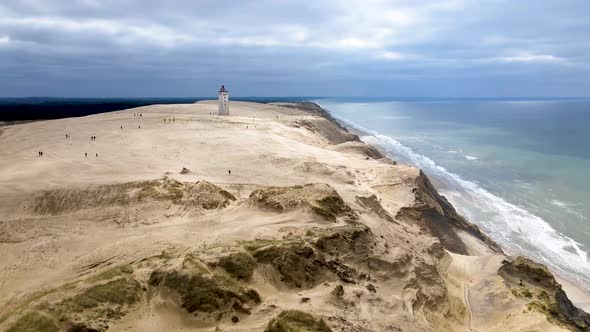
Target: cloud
[
  {"x": 347, "y": 45},
  {"x": 341, "y": 24},
  {"x": 118, "y": 32},
  {"x": 533, "y": 58},
  {"x": 392, "y": 56},
  {"x": 4, "y": 40},
  {"x": 529, "y": 58}
]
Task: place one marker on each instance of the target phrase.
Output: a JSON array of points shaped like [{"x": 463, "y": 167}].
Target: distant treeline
[
  {"x": 56, "y": 108},
  {"x": 17, "y": 109}
]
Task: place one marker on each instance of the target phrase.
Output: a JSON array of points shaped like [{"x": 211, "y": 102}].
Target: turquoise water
[{"x": 520, "y": 169}]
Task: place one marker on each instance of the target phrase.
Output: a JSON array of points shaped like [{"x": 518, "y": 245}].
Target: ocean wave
[
  {"x": 568, "y": 207},
  {"x": 513, "y": 227},
  {"x": 464, "y": 156}
]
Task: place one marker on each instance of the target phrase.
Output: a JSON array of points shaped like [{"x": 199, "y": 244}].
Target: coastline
[
  {"x": 284, "y": 149},
  {"x": 580, "y": 294}
]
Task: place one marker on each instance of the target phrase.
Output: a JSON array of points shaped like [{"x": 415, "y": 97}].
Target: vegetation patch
[
  {"x": 203, "y": 195},
  {"x": 332, "y": 206},
  {"x": 254, "y": 245},
  {"x": 239, "y": 265},
  {"x": 535, "y": 273},
  {"x": 193, "y": 263},
  {"x": 321, "y": 199},
  {"x": 206, "y": 293},
  {"x": 32, "y": 322},
  {"x": 344, "y": 240},
  {"x": 544, "y": 292},
  {"x": 89, "y": 310},
  {"x": 522, "y": 292},
  {"x": 164, "y": 189},
  {"x": 65, "y": 200},
  {"x": 296, "y": 261},
  {"x": 174, "y": 190},
  {"x": 208, "y": 196},
  {"x": 120, "y": 291},
  {"x": 306, "y": 261},
  {"x": 338, "y": 291},
  {"x": 147, "y": 191},
  {"x": 111, "y": 273},
  {"x": 297, "y": 321}
]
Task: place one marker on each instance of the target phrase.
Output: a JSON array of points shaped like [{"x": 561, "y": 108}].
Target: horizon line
[{"x": 303, "y": 96}]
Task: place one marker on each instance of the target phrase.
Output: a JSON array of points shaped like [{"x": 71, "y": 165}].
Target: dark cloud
[{"x": 288, "y": 47}]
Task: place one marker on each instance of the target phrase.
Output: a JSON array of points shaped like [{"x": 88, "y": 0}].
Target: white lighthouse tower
[{"x": 223, "y": 101}]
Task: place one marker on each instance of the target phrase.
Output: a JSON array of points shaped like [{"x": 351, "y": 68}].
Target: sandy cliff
[{"x": 312, "y": 231}]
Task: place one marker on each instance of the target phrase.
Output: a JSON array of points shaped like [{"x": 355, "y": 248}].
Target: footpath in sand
[{"x": 274, "y": 218}]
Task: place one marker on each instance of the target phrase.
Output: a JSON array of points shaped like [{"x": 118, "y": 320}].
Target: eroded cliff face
[
  {"x": 433, "y": 212},
  {"x": 372, "y": 247},
  {"x": 534, "y": 283}
]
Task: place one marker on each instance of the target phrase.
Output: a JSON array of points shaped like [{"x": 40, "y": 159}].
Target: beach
[{"x": 275, "y": 208}]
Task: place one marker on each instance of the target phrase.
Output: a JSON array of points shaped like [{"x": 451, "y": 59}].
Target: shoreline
[{"x": 580, "y": 293}]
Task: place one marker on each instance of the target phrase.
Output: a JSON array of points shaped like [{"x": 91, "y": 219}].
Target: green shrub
[{"x": 297, "y": 321}]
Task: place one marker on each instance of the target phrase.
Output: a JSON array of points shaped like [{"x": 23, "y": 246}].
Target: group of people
[{"x": 93, "y": 138}]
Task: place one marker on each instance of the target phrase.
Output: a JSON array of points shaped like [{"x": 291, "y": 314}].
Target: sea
[{"x": 517, "y": 168}]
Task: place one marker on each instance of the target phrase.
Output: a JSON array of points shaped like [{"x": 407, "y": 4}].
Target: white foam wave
[
  {"x": 560, "y": 204},
  {"x": 513, "y": 227},
  {"x": 471, "y": 157}
]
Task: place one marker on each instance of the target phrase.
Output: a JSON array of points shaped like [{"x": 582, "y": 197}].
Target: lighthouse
[{"x": 223, "y": 101}]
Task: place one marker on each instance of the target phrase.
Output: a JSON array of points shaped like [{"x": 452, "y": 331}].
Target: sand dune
[{"x": 312, "y": 230}]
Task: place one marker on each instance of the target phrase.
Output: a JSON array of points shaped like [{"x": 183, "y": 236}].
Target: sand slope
[{"x": 309, "y": 219}]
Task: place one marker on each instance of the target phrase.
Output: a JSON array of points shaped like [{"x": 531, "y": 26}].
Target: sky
[{"x": 188, "y": 48}]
